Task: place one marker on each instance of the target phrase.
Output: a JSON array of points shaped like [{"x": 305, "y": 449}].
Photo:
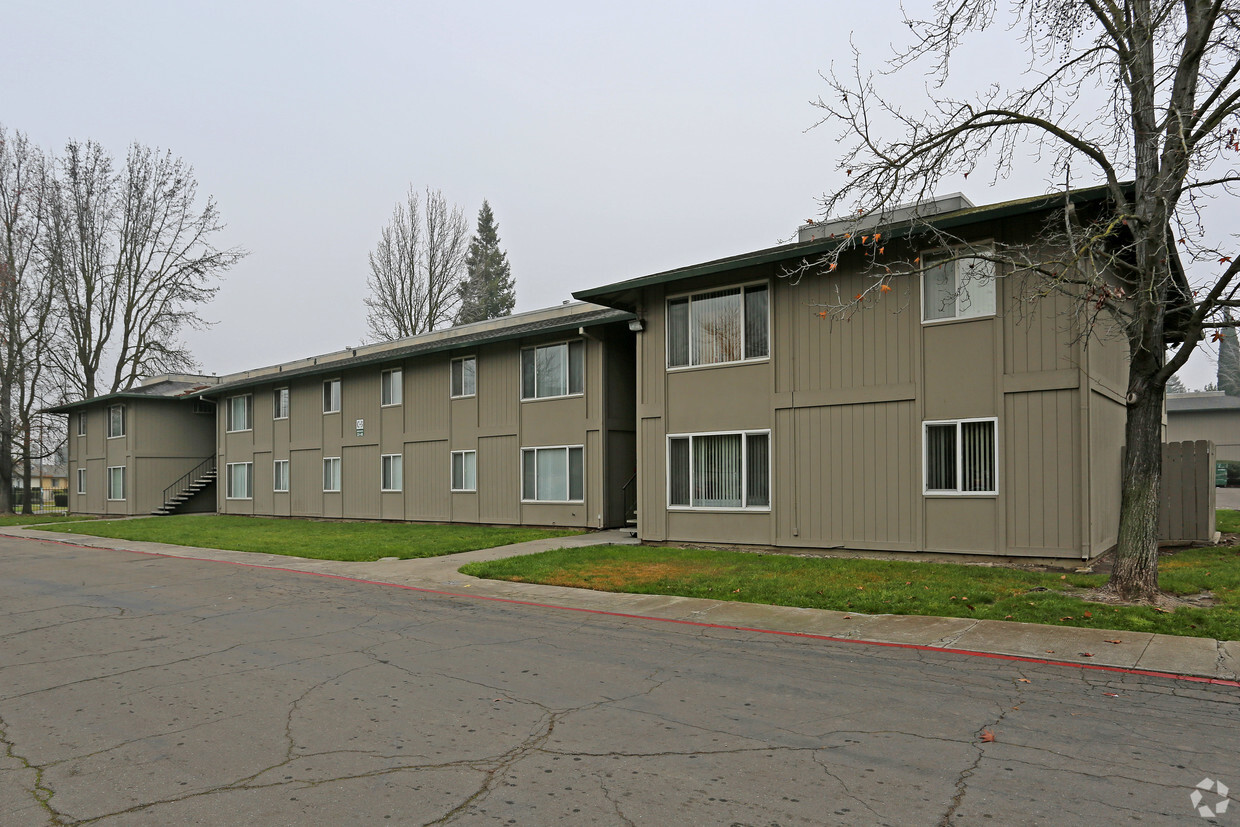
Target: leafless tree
[
  {"x": 1140, "y": 95},
  {"x": 417, "y": 267},
  {"x": 133, "y": 257}
]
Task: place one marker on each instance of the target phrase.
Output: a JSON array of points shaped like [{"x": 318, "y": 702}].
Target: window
[
  {"x": 393, "y": 472},
  {"x": 240, "y": 479},
  {"x": 960, "y": 457},
  {"x": 960, "y": 289},
  {"x": 390, "y": 389},
  {"x": 81, "y": 475},
  {"x": 279, "y": 403},
  {"x": 116, "y": 422},
  {"x": 240, "y": 412},
  {"x": 729, "y": 470},
  {"x": 464, "y": 471},
  {"x": 553, "y": 370},
  {"x": 331, "y": 474},
  {"x": 279, "y": 475},
  {"x": 464, "y": 376},
  {"x": 718, "y": 327},
  {"x": 553, "y": 474},
  {"x": 331, "y": 396},
  {"x": 81, "y": 418},
  {"x": 116, "y": 482}
]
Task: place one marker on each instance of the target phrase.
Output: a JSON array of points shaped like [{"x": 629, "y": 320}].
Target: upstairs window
[
  {"x": 279, "y": 403},
  {"x": 553, "y": 370},
  {"x": 116, "y": 422},
  {"x": 719, "y": 327},
  {"x": 391, "y": 391},
  {"x": 464, "y": 376},
  {"x": 239, "y": 412},
  {"x": 81, "y": 423},
  {"x": 331, "y": 396},
  {"x": 962, "y": 289},
  {"x": 960, "y": 457}
]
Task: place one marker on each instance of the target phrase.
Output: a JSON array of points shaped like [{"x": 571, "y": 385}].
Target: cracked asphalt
[{"x": 137, "y": 689}]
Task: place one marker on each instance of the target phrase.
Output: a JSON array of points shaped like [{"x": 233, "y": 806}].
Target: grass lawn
[
  {"x": 321, "y": 540},
  {"x": 892, "y": 586},
  {"x": 34, "y": 519}
]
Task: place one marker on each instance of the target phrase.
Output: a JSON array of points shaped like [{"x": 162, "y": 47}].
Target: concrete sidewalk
[{"x": 1201, "y": 657}]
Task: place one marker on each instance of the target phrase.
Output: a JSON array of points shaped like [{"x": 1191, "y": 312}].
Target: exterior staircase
[{"x": 180, "y": 492}]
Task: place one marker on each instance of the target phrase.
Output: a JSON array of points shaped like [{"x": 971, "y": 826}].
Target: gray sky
[{"x": 611, "y": 142}]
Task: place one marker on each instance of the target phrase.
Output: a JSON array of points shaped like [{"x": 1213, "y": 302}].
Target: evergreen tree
[
  {"x": 488, "y": 290},
  {"x": 1176, "y": 385},
  {"x": 1228, "y": 360}
]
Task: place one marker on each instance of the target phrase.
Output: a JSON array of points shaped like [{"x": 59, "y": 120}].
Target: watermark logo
[{"x": 1198, "y": 795}]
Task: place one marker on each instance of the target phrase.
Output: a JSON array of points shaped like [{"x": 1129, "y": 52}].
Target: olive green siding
[{"x": 428, "y": 425}]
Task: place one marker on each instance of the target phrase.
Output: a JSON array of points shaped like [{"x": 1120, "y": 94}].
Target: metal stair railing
[{"x": 207, "y": 466}]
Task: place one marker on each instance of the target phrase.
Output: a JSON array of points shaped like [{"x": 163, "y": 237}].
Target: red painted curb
[{"x": 914, "y": 646}]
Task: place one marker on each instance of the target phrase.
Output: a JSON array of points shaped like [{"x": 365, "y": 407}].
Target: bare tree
[
  {"x": 133, "y": 257},
  {"x": 417, "y": 267},
  {"x": 1142, "y": 95}
]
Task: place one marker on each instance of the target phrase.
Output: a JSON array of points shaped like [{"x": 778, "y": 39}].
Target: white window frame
[
  {"x": 275, "y": 476},
  {"x": 111, "y": 490},
  {"x": 452, "y": 482},
  {"x": 329, "y": 397},
  {"x": 280, "y": 403},
  {"x": 230, "y": 491},
  {"x": 124, "y": 416},
  {"x": 337, "y": 477},
  {"x": 391, "y": 387},
  {"x": 81, "y": 428},
  {"x": 465, "y": 392},
  {"x": 396, "y": 462},
  {"x": 568, "y": 370},
  {"x": 770, "y": 462},
  {"x": 230, "y": 424},
  {"x": 925, "y": 458},
  {"x": 568, "y": 475},
  {"x": 667, "y": 327},
  {"x": 935, "y": 258},
  {"x": 81, "y": 480}
]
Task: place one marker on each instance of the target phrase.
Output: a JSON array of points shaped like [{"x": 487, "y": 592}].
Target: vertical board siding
[
  {"x": 1037, "y": 334},
  {"x": 426, "y": 395},
  {"x": 498, "y": 478},
  {"x": 264, "y": 497},
  {"x": 426, "y": 481},
  {"x": 499, "y": 387},
  {"x": 652, "y": 489},
  {"x": 360, "y": 481},
  {"x": 1041, "y": 471},
  {"x": 306, "y": 482}
]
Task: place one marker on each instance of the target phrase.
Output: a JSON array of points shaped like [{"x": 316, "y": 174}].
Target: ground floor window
[
  {"x": 719, "y": 470},
  {"x": 553, "y": 474},
  {"x": 116, "y": 482},
  {"x": 393, "y": 472},
  {"x": 81, "y": 477},
  {"x": 961, "y": 457},
  {"x": 240, "y": 480},
  {"x": 464, "y": 471},
  {"x": 331, "y": 474},
  {"x": 279, "y": 475}
]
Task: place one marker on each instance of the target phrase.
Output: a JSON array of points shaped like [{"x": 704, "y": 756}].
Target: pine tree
[
  {"x": 1176, "y": 385},
  {"x": 1228, "y": 360},
  {"x": 488, "y": 290}
]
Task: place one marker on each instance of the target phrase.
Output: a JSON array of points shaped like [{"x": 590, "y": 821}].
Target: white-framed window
[
  {"x": 553, "y": 474},
  {"x": 464, "y": 376},
  {"x": 960, "y": 456},
  {"x": 728, "y": 470},
  {"x": 391, "y": 391},
  {"x": 549, "y": 371},
  {"x": 960, "y": 289},
  {"x": 392, "y": 473},
  {"x": 331, "y": 396},
  {"x": 240, "y": 412},
  {"x": 81, "y": 477},
  {"x": 239, "y": 477},
  {"x": 279, "y": 403},
  {"x": 279, "y": 475},
  {"x": 464, "y": 471},
  {"x": 116, "y": 422},
  {"x": 719, "y": 327},
  {"x": 81, "y": 423},
  {"x": 331, "y": 473},
  {"x": 116, "y": 482}
]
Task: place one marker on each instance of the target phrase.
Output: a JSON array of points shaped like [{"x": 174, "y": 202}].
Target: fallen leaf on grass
[
  {"x": 1086, "y": 614},
  {"x": 1066, "y": 618},
  {"x": 987, "y": 736}
]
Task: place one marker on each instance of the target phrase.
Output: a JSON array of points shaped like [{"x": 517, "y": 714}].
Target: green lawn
[
  {"x": 891, "y": 586},
  {"x": 321, "y": 540},
  {"x": 1227, "y": 521},
  {"x": 34, "y": 519}
]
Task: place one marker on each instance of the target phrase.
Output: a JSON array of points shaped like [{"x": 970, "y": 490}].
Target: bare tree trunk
[
  {"x": 27, "y": 505},
  {"x": 1135, "y": 576},
  {"x": 6, "y": 448}
]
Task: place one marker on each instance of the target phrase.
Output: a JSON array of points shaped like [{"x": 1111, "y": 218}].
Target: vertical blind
[
  {"x": 720, "y": 326},
  {"x": 719, "y": 471},
  {"x": 961, "y": 457}
]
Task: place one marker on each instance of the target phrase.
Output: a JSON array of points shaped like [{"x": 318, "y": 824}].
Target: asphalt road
[{"x": 138, "y": 689}]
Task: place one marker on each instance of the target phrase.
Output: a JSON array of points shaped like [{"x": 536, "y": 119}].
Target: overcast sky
[{"x": 610, "y": 142}]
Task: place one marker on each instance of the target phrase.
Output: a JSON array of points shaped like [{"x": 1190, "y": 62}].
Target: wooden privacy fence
[{"x": 1186, "y": 513}]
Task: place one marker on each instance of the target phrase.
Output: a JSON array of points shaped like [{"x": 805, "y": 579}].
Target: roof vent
[{"x": 918, "y": 209}]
